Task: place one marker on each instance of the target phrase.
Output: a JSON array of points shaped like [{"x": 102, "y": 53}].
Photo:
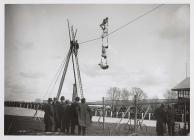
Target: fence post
[
  {"x": 185, "y": 119},
  {"x": 103, "y": 113},
  {"x": 149, "y": 116},
  {"x": 182, "y": 117},
  {"x": 135, "y": 119}
]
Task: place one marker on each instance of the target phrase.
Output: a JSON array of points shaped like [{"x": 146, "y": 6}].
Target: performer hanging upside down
[
  {"x": 105, "y": 21},
  {"x": 104, "y": 26},
  {"x": 103, "y": 53},
  {"x": 103, "y": 66}
]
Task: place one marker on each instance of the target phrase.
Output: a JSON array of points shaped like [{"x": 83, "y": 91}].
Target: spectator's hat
[
  {"x": 67, "y": 101},
  {"x": 49, "y": 99},
  {"x": 62, "y": 98},
  {"x": 77, "y": 98},
  {"x": 83, "y": 100}
]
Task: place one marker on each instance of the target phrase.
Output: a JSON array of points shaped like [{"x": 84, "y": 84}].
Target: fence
[{"x": 95, "y": 111}]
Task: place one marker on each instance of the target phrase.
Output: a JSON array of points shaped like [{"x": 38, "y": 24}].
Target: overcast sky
[{"x": 150, "y": 53}]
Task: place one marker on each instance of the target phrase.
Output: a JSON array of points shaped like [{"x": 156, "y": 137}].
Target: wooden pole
[
  {"x": 74, "y": 71},
  {"x": 103, "y": 114},
  {"x": 64, "y": 73},
  {"x": 185, "y": 117},
  {"x": 66, "y": 65},
  {"x": 135, "y": 119},
  {"x": 149, "y": 116}
]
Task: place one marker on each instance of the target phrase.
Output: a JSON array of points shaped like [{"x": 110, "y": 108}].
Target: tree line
[{"x": 114, "y": 94}]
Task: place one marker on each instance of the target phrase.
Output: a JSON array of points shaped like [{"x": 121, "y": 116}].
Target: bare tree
[
  {"x": 139, "y": 93},
  {"x": 114, "y": 94},
  {"x": 170, "y": 95},
  {"x": 125, "y": 94}
]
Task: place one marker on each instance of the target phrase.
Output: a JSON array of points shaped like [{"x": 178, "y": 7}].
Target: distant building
[
  {"x": 183, "y": 89},
  {"x": 183, "y": 105}
]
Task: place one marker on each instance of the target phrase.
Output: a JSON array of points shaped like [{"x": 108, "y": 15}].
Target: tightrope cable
[{"x": 123, "y": 26}]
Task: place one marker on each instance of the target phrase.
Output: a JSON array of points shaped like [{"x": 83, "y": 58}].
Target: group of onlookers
[
  {"x": 64, "y": 116},
  {"x": 165, "y": 116}
]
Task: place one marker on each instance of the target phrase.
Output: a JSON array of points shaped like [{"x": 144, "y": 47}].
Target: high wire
[{"x": 123, "y": 26}]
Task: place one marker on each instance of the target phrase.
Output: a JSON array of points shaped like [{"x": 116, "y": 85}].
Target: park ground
[
  {"x": 19, "y": 121},
  {"x": 25, "y": 125}
]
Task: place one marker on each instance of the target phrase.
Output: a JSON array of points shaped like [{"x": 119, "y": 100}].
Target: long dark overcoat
[
  {"x": 84, "y": 115},
  {"x": 160, "y": 115},
  {"x": 48, "y": 117},
  {"x": 74, "y": 113}
]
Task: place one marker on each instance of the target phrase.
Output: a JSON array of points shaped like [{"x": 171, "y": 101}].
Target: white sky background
[{"x": 150, "y": 53}]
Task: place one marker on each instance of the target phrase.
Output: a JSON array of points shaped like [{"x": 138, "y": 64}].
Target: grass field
[{"x": 19, "y": 125}]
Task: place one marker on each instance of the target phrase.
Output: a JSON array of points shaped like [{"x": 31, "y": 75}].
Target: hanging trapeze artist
[{"x": 104, "y": 26}]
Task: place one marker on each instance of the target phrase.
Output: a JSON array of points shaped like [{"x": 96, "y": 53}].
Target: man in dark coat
[
  {"x": 160, "y": 115},
  {"x": 66, "y": 117},
  {"x": 74, "y": 116},
  {"x": 49, "y": 116},
  {"x": 56, "y": 106},
  {"x": 61, "y": 111},
  {"x": 84, "y": 116},
  {"x": 170, "y": 120}
]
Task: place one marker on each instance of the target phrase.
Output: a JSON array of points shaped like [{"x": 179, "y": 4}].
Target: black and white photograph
[{"x": 97, "y": 69}]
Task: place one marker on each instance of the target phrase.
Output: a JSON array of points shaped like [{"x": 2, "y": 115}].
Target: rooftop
[{"x": 183, "y": 85}]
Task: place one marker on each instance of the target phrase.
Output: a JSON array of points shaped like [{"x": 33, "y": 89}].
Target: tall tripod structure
[{"x": 72, "y": 54}]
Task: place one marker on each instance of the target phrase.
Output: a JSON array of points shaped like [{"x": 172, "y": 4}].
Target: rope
[
  {"x": 55, "y": 78},
  {"x": 123, "y": 26},
  {"x": 58, "y": 76},
  {"x": 136, "y": 19},
  {"x": 64, "y": 73}
]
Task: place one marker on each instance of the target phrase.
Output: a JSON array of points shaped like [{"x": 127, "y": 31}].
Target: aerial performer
[{"x": 104, "y": 26}]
